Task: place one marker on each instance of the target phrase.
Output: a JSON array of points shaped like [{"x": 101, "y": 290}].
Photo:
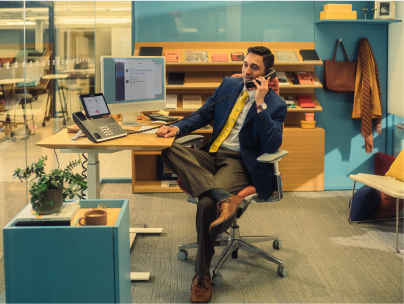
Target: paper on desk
[{"x": 171, "y": 101}]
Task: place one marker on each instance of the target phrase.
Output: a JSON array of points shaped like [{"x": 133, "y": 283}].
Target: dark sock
[{"x": 219, "y": 194}]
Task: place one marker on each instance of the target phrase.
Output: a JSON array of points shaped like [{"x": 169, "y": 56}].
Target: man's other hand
[
  {"x": 273, "y": 84},
  {"x": 167, "y": 131}
]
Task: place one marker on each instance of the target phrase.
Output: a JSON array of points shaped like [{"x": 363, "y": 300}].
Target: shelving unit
[
  {"x": 357, "y": 21},
  {"x": 306, "y": 146}
]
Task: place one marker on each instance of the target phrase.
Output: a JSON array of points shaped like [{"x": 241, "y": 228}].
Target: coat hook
[{"x": 339, "y": 41}]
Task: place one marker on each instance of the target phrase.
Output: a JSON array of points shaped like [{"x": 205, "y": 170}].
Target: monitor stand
[{"x": 130, "y": 120}]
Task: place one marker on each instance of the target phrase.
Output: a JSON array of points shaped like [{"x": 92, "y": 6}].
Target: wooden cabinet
[{"x": 306, "y": 146}]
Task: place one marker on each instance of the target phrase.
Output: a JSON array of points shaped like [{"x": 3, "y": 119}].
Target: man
[{"x": 246, "y": 124}]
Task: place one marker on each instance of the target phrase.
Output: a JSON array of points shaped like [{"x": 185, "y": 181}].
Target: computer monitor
[{"x": 133, "y": 84}]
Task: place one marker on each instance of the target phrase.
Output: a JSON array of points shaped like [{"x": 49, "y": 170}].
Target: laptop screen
[{"x": 94, "y": 105}]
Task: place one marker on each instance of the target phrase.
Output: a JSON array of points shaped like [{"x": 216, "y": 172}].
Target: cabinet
[
  {"x": 306, "y": 146},
  {"x": 69, "y": 264}
]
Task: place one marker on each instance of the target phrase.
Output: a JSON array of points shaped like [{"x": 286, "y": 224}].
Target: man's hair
[{"x": 266, "y": 54}]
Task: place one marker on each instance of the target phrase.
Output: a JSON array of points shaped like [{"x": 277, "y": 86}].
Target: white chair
[{"x": 388, "y": 185}]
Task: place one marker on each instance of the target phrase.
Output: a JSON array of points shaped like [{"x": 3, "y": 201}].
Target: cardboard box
[
  {"x": 337, "y": 15},
  {"x": 338, "y": 7}
]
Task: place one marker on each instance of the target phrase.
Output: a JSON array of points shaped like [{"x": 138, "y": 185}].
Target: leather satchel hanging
[{"x": 339, "y": 76}]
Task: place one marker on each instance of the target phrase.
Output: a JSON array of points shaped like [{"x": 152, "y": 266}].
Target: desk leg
[
  {"x": 63, "y": 111},
  {"x": 93, "y": 176},
  {"x": 141, "y": 276}
]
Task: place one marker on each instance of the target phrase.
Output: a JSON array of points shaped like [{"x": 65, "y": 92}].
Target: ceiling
[{"x": 67, "y": 14}]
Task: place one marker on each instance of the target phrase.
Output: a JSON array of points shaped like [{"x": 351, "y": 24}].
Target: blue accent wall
[
  {"x": 288, "y": 21},
  {"x": 223, "y": 21}
]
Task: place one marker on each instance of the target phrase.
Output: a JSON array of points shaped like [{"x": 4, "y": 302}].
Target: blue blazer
[{"x": 260, "y": 133}]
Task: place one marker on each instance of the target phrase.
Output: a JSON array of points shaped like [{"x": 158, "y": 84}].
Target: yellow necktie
[{"x": 230, "y": 122}]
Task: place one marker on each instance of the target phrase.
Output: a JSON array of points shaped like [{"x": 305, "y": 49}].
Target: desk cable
[
  {"x": 83, "y": 173},
  {"x": 184, "y": 118}
]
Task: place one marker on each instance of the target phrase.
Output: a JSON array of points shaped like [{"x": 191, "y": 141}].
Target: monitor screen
[{"x": 133, "y": 84}]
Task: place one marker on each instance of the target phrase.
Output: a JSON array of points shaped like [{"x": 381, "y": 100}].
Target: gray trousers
[{"x": 200, "y": 172}]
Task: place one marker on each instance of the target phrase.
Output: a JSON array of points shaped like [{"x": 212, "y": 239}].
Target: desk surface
[
  {"x": 141, "y": 141},
  {"x": 11, "y": 81},
  {"x": 55, "y": 76}
]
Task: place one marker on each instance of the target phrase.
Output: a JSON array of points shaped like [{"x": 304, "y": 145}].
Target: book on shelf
[
  {"x": 288, "y": 100},
  {"x": 196, "y": 56},
  {"x": 237, "y": 56},
  {"x": 282, "y": 78},
  {"x": 304, "y": 78},
  {"x": 171, "y": 101},
  {"x": 169, "y": 183},
  {"x": 286, "y": 56},
  {"x": 150, "y": 51},
  {"x": 306, "y": 101},
  {"x": 172, "y": 56},
  {"x": 191, "y": 101},
  {"x": 29, "y": 217},
  {"x": 220, "y": 57},
  {"x": 309, "y": 55},
  {"x": 176, "y": 78},
  {"x": 293, "y": 78}
]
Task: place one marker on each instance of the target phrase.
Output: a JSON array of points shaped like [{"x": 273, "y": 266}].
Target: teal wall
[
  {"x": 223, "y": 21},
  {"x": 286, "y": 21}
]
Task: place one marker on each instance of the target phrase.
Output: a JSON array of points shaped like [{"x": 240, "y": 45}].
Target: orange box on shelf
[
  {"x": 338, "y": 7},
  {"x": 337, "y": 15}
]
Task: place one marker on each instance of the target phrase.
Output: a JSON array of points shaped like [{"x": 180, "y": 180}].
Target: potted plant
[{"x": 48, "y": 191}]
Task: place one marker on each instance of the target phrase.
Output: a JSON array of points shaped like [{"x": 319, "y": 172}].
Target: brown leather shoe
[
  {"x": 201, "y": 290},
  {"x": 228, "y": 209}
]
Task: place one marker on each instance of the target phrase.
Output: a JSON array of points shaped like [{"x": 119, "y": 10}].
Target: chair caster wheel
[
  {"x": 217, "y": 279},
  {"x": 182, "y": 255},
  {"x": 277, "y": 244},
  {"x": 283, "y": 271},
  {"x": 234, "y": 254}
]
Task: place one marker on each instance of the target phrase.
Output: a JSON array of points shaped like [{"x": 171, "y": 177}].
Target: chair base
[{"x": 234, "y": 242}]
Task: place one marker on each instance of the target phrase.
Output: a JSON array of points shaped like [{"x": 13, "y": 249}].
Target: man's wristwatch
[{"x": 262, "y": 106}]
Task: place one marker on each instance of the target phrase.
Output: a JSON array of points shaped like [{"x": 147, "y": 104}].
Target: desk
[
  {"x": 140, "y": 142},
  {"x": 14, "y": 81},
  {"x": 63, "y": 103}
]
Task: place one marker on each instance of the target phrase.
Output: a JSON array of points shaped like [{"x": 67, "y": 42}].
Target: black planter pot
[{"x": 55, "y": 195}]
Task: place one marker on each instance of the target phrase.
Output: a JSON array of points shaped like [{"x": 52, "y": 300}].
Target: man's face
[{"x": 253, "y": 67}]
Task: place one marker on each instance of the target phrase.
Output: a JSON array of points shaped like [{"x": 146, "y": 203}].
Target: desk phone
[{"x": 99, "y": 128}]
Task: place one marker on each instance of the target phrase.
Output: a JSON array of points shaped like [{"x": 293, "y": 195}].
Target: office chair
[
  {"x": 26, "y": 99},
  {"x": 386, "y": 184},
  {"x": 234, "y": 241}
]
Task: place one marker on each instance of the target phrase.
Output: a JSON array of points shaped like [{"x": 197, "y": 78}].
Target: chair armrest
[
  {"x": 272, "y": 157},
  {"x": 188, "y": 140}
]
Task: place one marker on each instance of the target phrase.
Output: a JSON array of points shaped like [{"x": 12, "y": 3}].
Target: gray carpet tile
[{"x": 329, "y": 259}]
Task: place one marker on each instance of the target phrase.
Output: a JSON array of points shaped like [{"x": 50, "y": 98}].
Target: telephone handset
[
  {"x": 271, "y": 75},
  {"x": 99, "y": 129}
]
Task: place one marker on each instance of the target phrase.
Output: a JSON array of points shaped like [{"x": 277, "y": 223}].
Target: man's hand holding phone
[
  {"x": 273, "y": 83},
  {"x": 262, "y": 89}
]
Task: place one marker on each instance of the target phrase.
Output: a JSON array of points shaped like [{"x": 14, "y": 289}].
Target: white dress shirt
[{"x": 232, "y": 142}]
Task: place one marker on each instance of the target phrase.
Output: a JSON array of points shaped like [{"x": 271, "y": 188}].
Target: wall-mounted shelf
[{"x": 328, "y": 21}]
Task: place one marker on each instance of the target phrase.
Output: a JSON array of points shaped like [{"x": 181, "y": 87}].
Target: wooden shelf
[{"x": 356, "y": 21}]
